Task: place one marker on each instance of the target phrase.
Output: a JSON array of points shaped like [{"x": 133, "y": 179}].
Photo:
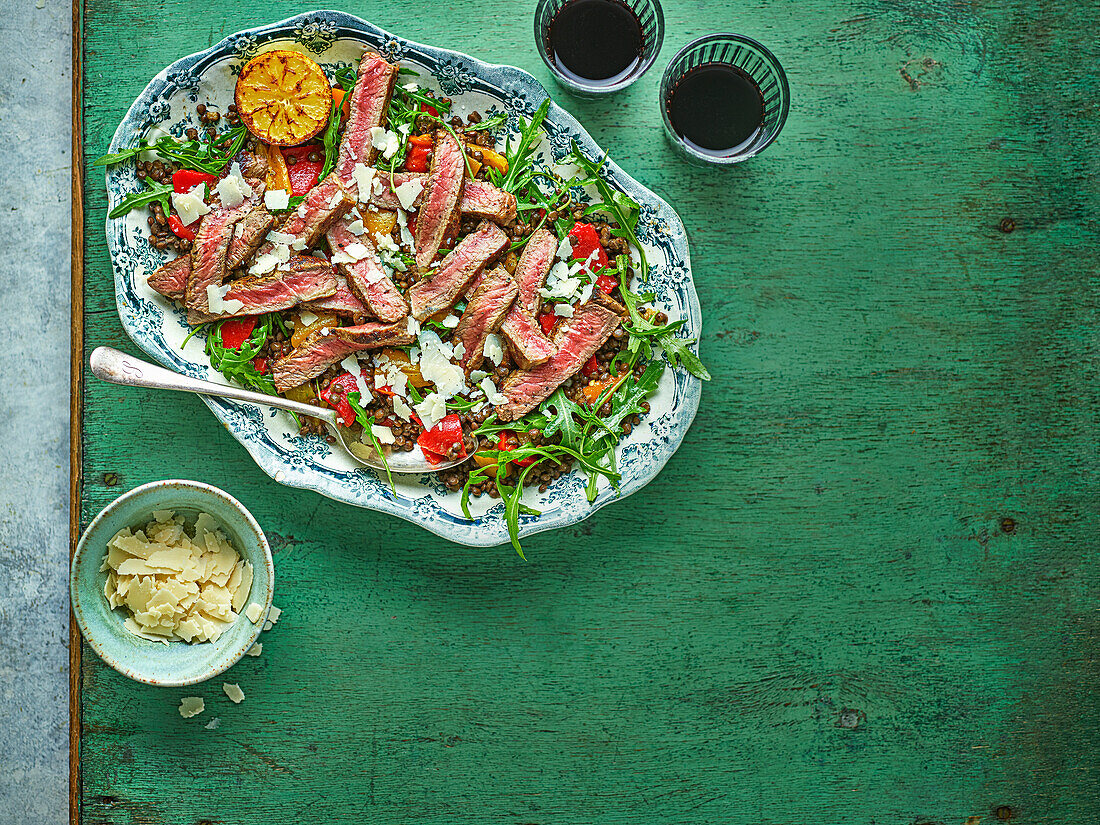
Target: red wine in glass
[
  {"x": 716, "y": 108},
  {"x": 595, "y": 42}
]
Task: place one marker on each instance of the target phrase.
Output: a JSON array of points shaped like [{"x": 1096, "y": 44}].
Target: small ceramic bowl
[{"x": 177, "y": 663}]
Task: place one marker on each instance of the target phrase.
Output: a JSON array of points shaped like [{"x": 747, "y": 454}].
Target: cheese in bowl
[{"x": 176, "y": 581}]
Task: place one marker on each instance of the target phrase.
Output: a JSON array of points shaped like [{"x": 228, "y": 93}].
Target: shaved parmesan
[
  {"x": 307, "y": 317},
  {"x": 190, "y": 206},
  {"x": 281, "y": 237},
  {"x": 191, "y": 706},
  {"x": 276, "y": 199},
  {"x": 263, "y": 263},
  {"x": 383, "y": 434},
  {"x": 432, "y": 410},
  {"x": 401, "y": 409},
  {"x": 254, "y": 612},
  {"x": 255, "y": 650},
  {"x": 363, "y": 176},
  {"x": 563, "y": 310},
  {"x": 408, "y": 192},
  {"x": 494, "y": 348},
  {"x": 356, "y": 227},
  {"x": 565, "y": 249},
  {"x": 451, "y": 321},
  {"x": 176, "y": 584},
  {"x": 233, "y": 189},
  {"x": 234, "y": 692},
  {"x": 213, "y": 724}
]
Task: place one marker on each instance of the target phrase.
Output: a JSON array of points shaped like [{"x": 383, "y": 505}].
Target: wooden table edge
[{"x": 76, "y": 407}]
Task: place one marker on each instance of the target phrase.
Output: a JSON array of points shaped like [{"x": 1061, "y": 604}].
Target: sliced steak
[
  {"x": 171, "y": 279},
  {"x": 369, "y": 101},
  {"x": 533, "y": 266},
  {"x": 342, "y": 302},
  {"x": 366, "y": 278},
  {"x": 529, "y": 347},
  {"x": 483, "y": 200},
  {"x": 318, "y": 352},
  {"x": 248, "y": 235},
  {"x": 576, "y": 341},
  {"x": 303, "y": 279},
  {"x": 484, "y": 314},
  {"x": 479, "y": 199},
  {"x": 439, "y": 205},
  {"x": 325, "y": 204},
  {"x": 442, "y": 289},
  {"x": 209, "y": 252}
]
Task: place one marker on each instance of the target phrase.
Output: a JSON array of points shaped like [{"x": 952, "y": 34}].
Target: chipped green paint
[{"x": 865, "y": 588}]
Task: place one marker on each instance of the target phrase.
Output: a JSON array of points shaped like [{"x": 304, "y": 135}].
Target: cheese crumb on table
[
  {"x": 255, "y": 650},
  {"x": 234, "y": 692},
  {"x": 274, "y": 614},
  {"x": 213, "y": 724},
  {"x": 176, "y": 583},
  {"x": 191, "y": 706}
]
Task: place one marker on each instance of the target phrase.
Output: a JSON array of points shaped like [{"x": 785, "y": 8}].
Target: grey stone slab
[{"x": 35, "y": 118}]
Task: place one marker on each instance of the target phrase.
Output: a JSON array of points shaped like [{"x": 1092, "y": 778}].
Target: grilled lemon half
[{"x": 283, "y": 97}]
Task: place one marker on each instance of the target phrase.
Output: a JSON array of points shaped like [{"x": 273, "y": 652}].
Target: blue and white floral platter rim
[{"x": 335, "y": 39}]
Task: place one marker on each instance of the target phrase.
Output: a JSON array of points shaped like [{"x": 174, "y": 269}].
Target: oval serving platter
[{"x": 335, "y": 39}]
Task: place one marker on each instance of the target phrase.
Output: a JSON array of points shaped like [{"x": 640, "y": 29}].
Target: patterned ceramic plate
[{"x": 335, "y": 40}]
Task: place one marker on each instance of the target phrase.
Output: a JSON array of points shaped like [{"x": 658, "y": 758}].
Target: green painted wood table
[{"x": 865, "y": 588}]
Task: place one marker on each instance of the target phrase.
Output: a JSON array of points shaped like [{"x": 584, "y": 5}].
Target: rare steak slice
[
  {"x": 483, "y": 200},
  {"x": 318, "y": 351},
  {"x": 325, "y": 204},
  {"x": 342, "y": 302},
  {"x": 367, "y": 109},
  {"x": 358, "y": 261},
  {"x": 529, "y": 347},
  {"x": 479, "y": 198},
  {"x": 533, "y": 266},
  {"x": 171, "y": 279},
  {"x": 483, "y": 315},
  {"x": 440, "y": 200},
  {"x": 248, "y": 235},
  {"x": 301, "y": 279},
  {"x": 462, "y": 264},
  {"x": 576, "y": 341},
  {"x": 209, "y": 253}
]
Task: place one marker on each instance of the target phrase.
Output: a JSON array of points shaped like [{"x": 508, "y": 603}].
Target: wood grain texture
[{"x": 865, "y": 588}]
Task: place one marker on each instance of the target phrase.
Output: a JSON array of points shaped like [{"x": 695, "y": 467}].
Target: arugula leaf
[
  {"x": 154, "y": 193},
  {"x": 493, "y": 122},
  {"x": 210, "y": 155},
  {"x": 331, "y": 139},
  {"x": 559, "y": 410},
  {"x": 365, "y": 421}
]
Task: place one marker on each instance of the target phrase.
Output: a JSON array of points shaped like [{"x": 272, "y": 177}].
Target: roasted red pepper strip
[
  {"x": 431, "y": 110},
  {"x": 547, "y": 321},
  {"x": 179, "y": 229},
  {"x": 304, "y": 173},
  {"x": 508, "y": 441},
  {"x": 438, "y": 441},
  {"x": 184, "y": 180},
  {"x": 260, "y": 363},
  {"x": 606, "y": 284},
  {"x": 586, "y": 240},
  {"x": 336, "y": 396},
  {"x": 236, "y": 331},
  {"x": 591, "y": 368},
  {"x": 417, "y": 158}
]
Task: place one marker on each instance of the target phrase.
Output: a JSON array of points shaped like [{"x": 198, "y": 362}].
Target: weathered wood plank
[{"x": 863, "y": 591}]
